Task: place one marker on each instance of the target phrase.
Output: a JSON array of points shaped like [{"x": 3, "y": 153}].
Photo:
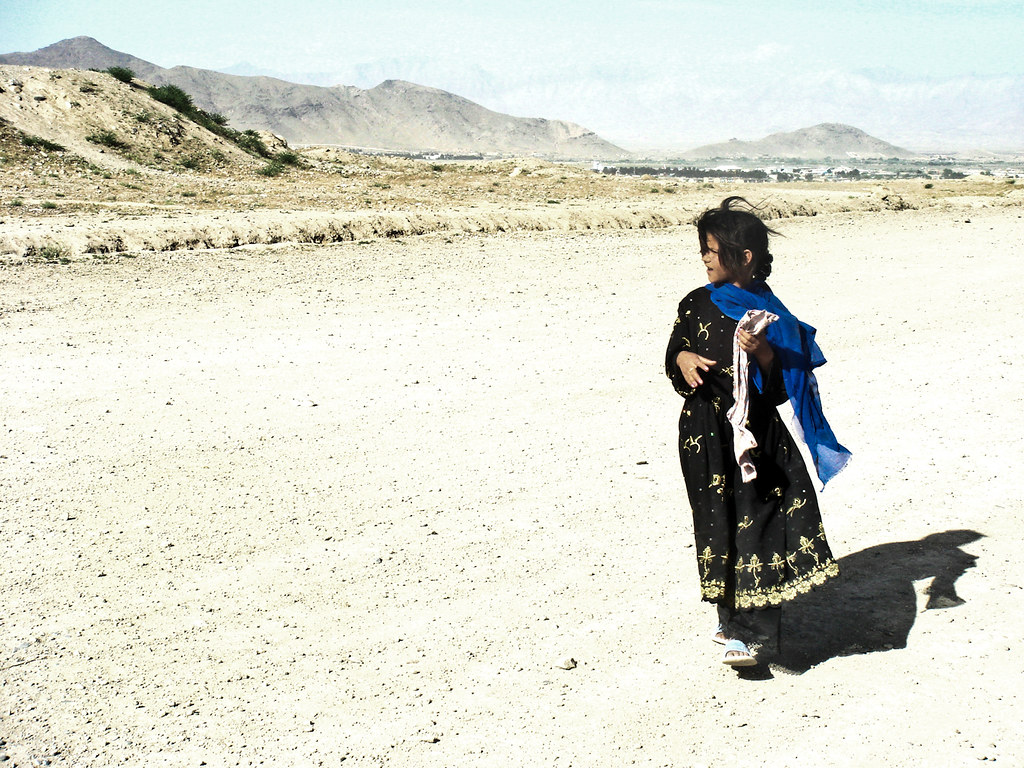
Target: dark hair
[{"x": 737, "y": 230}]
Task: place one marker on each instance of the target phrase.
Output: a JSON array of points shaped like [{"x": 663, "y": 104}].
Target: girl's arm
[
  {"x": 759, "y": 348},
  {"x": 772, "y": 385},
  {"x": 682, "y": 365},
  {"x": 690, "y": 364}
]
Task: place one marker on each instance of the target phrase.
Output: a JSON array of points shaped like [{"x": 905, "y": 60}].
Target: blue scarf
[{"x": 798, "y": 354}]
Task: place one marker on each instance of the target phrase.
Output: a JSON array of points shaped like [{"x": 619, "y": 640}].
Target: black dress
[{"x": 760, "y": 543}]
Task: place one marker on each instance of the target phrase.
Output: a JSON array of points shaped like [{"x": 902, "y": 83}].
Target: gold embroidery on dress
[
  {"x": 692, "y": 442},
  {"x": 718, "y": 484},
  {"x": 777, "y": 564},
  {"x": 798, "y": 503},
  {"x": 754, "y": 569},
  {"x": 728, "y": 371},
  {"x": 807, "y": 547},
  {"x": 745, "y": 523},
  {"x": 703, "y": 328},
  {"x": 821, "y": 532},
  {"x": 712, "y": 590},
  {"x": 775, "y": 594},
  {"x": 705, "y": 559}
]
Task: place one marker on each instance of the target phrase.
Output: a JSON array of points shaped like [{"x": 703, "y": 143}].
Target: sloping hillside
[
  {"x": 395, "y": 115},
  {"x": 826, "y": 140},
  {"x": 106, "y": 122}
]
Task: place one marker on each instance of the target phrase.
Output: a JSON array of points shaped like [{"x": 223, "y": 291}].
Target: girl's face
[{"x": 716, "y": 272}]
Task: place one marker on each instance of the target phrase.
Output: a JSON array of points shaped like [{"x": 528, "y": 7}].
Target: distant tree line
[{"x": 685, "y": 173}]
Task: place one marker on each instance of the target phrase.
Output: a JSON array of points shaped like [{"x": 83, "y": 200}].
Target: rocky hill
[
  {"x": 825, "y": 141},
  {"x": 78, "y": 116},
  {"x": 395, "y": 115}
]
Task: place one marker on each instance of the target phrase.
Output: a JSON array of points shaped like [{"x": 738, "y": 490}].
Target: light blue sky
[{"x": 647, "y": 73}]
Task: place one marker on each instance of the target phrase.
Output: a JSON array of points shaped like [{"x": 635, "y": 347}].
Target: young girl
[{"x": 753, "y": 441}]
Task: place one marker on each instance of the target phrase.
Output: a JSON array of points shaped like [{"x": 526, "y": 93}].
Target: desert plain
[{"x": 413, "y": 498}]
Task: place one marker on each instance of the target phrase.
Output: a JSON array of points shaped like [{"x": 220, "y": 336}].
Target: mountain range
[
  {"x": 827, "y": 140},
  {"x": 395, "y": 115}
]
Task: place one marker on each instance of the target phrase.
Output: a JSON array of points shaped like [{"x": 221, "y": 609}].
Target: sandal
[
  {"x": 719, "y": 635},
  {"x": 740, "y": 655}
]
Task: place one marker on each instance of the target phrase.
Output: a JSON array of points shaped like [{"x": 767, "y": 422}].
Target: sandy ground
[{"x": 360, "y": 504}]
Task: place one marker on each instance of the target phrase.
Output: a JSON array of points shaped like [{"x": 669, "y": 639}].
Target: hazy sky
[{"x": 644, "y": 72}]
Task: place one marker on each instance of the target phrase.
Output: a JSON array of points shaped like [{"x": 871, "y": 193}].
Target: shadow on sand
[{"x": 872, "y": 605}]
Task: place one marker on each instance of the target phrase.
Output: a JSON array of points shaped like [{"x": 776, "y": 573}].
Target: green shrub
[
  {"x": 174, "y": 97},
  {"x": 192, "y": 162},
  {"x": 49, "y": 206},
  {"x": 123, "y": 74},
  {"x": 36, "y": 141},
  {"x": 52, "y": 253},
  {"x": 288, "y": 158},
  {"x": 17, "y": 202},
  {"x": 929, "y": 185},
  {"x": 214, "y": 122},
  {"x": 107, "y": 139},
  {"x": 250, "y": 141},
  {"x": 273, "y": 168}
]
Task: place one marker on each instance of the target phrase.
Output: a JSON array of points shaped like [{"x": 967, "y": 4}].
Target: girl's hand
[
  {"x": 758, "y": 347},
  {"x": 690, "y": 363}
]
